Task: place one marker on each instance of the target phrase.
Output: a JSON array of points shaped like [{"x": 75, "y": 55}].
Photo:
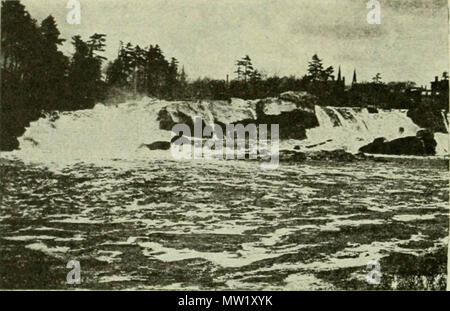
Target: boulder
[
  {"x": 428, "y": 140},
  {"x": 422, "y": 144},
  {"x": 158, "y": 145}
]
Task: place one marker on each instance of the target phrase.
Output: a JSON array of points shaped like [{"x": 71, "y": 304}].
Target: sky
[{"x": 208, "y": 36}]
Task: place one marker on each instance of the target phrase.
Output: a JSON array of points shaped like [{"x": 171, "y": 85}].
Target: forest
[{"x": 36, "y": 77}]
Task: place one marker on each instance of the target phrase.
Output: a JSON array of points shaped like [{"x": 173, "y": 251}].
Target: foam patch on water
[
  {"x": 412, "y": 217},
  {"x": 245, "y": 257},
  {"x": 51, "y": 251},
  {"x": 119, "y": 278},
  {"x": 29, "y": 238},
  {"x": 305, "y": 281}
]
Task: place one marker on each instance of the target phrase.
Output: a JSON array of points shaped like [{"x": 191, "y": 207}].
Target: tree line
[{"x": 146, "y": 71}]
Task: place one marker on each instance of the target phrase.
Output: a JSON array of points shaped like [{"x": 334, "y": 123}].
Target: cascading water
[
  {"x": 111, "y": 132},
  {"x": 104, "y": 132},
  {"x": 352, "y": 128}
]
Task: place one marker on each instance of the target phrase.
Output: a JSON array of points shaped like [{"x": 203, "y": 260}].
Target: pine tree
[
  {"x": 248, "y": 67},
  {"x": 377, "y": 78},
  {"x": 157, "y": 69},
  {"x": 183, "y": 83},
  {"x": 245, "y": 68},
  {"x": 172, "y": 78},
  {"x": 53, "y": 66},
  {"x": 85, "y": 76},
  {"x": 139, "y": 56},
  {"x": 315, "y": 68},
  {"x": 50, "y": 32},
  {"x": 239, "y": 71},
  {"x": 316, "y": 71},
  {"x": 96, "y": 44},
  {"x": 327, "y": 74}
]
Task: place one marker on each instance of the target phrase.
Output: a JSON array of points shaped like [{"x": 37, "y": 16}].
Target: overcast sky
[{"x": 207, "y": 36}]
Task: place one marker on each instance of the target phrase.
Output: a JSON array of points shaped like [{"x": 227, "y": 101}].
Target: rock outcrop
[
  {"x": 158, "y": 145},
  {"x": 293, "y": 111},
  {"x": 428, "y": 118},
  {"x": 423, "y": 144}
]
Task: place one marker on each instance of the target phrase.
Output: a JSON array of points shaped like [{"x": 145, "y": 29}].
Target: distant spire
[
  {"x": 354, "y": 81},
  {"x": 339, "y": 74}
]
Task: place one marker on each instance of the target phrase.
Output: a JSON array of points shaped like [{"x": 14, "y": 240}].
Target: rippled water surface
[{"x": 223, "y": 225}]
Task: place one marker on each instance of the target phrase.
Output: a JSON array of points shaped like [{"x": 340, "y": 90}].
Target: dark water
[{"x": 224, "y": 225}]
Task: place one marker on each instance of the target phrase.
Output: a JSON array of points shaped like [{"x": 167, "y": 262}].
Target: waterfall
[
  {"x": 117, "y": 131},
  {"x": 445, "y": 117},
  {"x": 110, "y": 132},
  {"x": 352, "y": 128}
]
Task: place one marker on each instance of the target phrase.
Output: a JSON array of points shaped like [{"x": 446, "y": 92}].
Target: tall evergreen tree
[
  {"x": 245, "y": 68},
  {"x": 157, "y": 68},
  {"x": 85, "y": 76},
  {"x": 50, "y": 32},
  {"x": 172, "y": 78},
  {"x": 53, "y": 67},
  {"x": 315, "y": 68}
]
